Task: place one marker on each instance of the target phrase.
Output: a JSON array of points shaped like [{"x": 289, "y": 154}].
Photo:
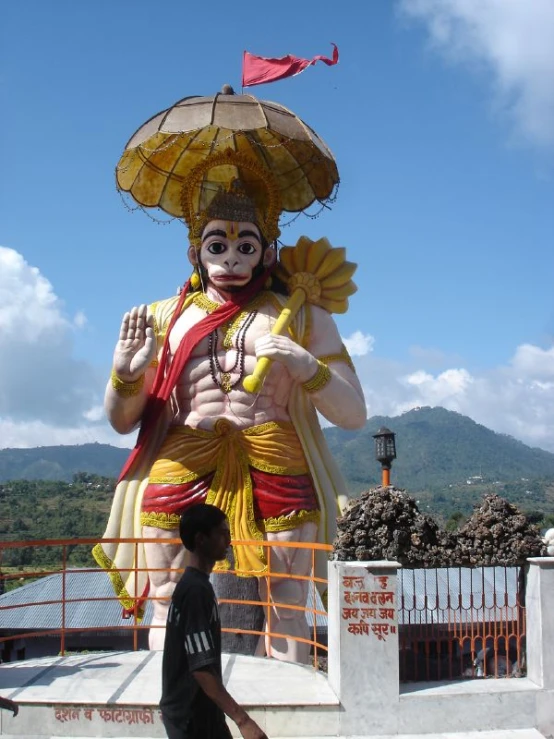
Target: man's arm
[
  {"x": 211, "y": 684},
  {"x": 9, "y": 705},
  {"x": 203, "y": 657}
]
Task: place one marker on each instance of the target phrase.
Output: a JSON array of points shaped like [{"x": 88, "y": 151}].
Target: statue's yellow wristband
[
  {"x": 126, "y": 389},
  {"x": 319, "y": 380}
]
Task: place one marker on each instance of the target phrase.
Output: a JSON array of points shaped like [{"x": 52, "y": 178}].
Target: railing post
[
  {"x": 314, "y": 608},
  {"x": 135, "y": 608},
  {"x": 64, "y": 567},
  {"x": 539, "y": 602},
  {"x": 363, "y": 645}
]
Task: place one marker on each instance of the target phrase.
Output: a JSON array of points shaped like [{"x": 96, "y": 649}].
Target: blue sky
[{"x": 441, "y": 118}]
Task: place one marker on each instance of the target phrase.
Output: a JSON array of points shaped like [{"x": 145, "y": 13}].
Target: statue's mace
[{"x": 316, "y": 273}]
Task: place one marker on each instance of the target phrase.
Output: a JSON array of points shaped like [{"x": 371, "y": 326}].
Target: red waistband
[{"x": 274, "y": 495}]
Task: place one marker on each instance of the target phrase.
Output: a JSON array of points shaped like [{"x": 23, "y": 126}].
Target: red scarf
[{"x": 164, "y": 383}]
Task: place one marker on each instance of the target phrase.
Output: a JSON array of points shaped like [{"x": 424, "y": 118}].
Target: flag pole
[{"x": 242, "y": 74}]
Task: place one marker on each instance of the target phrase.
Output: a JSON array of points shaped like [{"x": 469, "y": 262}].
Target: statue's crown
[
  {"x": 232, "y": 204},
  {"x": 231, "y": 186}
]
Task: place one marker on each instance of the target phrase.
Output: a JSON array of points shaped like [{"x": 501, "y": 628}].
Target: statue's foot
[
  {"x": 286, "y": 648},
  {"x": 156, "y": 637}
]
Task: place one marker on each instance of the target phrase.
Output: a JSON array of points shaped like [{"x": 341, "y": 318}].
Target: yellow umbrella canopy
[{"x": 160, "y": 156}]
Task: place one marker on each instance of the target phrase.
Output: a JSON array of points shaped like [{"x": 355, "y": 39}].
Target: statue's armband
[{"x": 342, "y": 356}]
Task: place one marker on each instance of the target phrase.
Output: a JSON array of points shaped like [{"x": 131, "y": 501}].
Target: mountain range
[{"x": 436, "y": 449}]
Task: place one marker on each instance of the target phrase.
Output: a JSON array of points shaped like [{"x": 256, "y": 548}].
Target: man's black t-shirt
[{"x": 192, "y": 642}]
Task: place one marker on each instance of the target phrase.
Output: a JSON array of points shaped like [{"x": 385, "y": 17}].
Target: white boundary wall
[
  {"x": 115, "y": 694},
  {"x": 363, "y": 663}
]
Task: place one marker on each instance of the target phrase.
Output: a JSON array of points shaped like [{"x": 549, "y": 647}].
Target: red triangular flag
[{"x": 257, "y": 70}]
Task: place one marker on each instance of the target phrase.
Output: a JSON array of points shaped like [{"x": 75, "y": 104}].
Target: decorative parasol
[
  {"x": 159, "y": 157},
  {"x": 315, "y": 272}
]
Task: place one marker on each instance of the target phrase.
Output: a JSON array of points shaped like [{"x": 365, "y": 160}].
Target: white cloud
[
  {"x": 359, "y": 344},
  {"x": 95, "y": 414},
  {"x": 46, "y": 394},
  {"x": 516, "y": 399},
  {"x": 29, "y": 309},
  {"x": 529, "y": 359},
  {"x": 512, "y": 40},
  {"x": 445, "y": 387},
  {"x": 80, "y": 320},
  {"x": 14, "y": 435}
]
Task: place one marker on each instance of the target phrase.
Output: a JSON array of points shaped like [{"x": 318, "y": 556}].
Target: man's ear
[
  {"x": 199, "y": 539},
  {"x": 193, "y": 256},
  {"x": 270, "y": 257}
]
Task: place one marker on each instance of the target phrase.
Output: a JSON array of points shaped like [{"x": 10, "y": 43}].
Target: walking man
[{"x": 194, "y": 700}]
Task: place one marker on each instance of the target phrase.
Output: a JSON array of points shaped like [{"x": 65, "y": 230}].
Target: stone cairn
[
  {"x": 385, "y": 523},
  {"x": 497, "y": 533}
]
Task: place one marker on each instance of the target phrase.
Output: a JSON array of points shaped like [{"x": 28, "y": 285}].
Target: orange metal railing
[
  {"x": 134, "y": 626},
  {"x": 461, "y": 623},
  {"x": 453, "y": 623}
]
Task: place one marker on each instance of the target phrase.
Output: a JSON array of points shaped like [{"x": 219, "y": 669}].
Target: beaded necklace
[
  {"x": 239, "y": 326},
  {"x": 221, "y": 378}
]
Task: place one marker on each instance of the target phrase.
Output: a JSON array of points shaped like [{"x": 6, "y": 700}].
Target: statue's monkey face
[{"x": 231, "y": 254}]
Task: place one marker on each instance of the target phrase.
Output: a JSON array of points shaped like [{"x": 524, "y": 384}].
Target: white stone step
[{"x": 504, "y": 734}]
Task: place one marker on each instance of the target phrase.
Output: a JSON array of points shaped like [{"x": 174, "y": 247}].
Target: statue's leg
[
  {"x": 162, "y": 584},
  {"x": 288, "y": 623}
]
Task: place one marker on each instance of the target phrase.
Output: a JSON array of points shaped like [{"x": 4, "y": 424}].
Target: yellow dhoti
[{"x": 228, "y": 456}]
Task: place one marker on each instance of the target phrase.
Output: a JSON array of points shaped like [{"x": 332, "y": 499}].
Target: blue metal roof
[
  {"x": 424, "y": 597},
  {"x": 79, "y": 584},
  {"x": 472, "y": 594}
]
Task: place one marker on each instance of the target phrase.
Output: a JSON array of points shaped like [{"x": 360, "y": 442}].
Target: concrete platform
[{"x": 116, "y": 694}]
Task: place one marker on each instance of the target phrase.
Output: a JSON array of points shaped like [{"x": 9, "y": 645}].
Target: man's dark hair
[{"x": 198, "y": 519}]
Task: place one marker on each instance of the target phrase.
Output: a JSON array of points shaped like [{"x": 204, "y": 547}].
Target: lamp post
[{"x": 385, "y": 452}]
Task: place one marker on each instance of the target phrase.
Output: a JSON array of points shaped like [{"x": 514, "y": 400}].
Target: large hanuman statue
[{"x": 178, "y": 372}]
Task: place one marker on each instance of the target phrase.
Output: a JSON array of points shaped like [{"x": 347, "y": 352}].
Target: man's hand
[
  {"x": 9, "y": 705},
  {"x": 136, "y": 347},
  {"x": 211, "y": 684},
  {"x": 301, "y": 365},
  {"x": 250, "y": 729}
]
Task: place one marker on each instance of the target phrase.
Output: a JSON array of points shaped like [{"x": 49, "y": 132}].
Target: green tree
[
  {"x": 535, "y": 517},
  {"x": 453, "y": 523}
]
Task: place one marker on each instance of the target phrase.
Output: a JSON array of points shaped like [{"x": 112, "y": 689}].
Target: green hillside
[
  {"x": 437, "y": 448},
  {"x": 445, "y": 459},
  {"x": 45, "y": 509},
  {"x": 61, "y": 462}
]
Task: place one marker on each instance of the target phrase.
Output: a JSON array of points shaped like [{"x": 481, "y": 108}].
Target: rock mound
[
  {"x": 385, "y": 523},
  {"x": 497, "y": 533}
]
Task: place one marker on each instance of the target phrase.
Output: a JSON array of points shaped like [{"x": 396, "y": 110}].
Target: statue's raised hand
[{"x": 136, "y": 347}]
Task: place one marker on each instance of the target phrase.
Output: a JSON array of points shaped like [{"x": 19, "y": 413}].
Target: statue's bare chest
[{"x": 236, "y": 336}]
